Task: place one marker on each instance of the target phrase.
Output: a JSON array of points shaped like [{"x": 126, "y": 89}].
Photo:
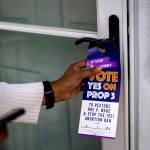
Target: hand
[{"x": 71, "y": 82}]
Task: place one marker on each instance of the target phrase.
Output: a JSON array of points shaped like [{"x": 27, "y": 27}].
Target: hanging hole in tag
[{"x": 102, "y": 50}]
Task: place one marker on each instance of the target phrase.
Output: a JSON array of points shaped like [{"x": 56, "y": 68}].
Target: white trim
[
  {"x": 102, "y": 25},
  {"x": 46, "y": 30},
  {"x": 125, "y": 72},
  {"x": 133, "y": 32},
  {"x": 119, "y": 8},
  {"x": 98, "y": 17}
]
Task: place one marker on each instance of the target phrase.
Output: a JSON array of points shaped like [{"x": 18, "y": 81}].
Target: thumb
[{"x": 92, "y": 71}]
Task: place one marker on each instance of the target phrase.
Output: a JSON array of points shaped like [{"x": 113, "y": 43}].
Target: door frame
[
  {"x": 118, "y": 7},
  {"x": 133, "y": 78}
]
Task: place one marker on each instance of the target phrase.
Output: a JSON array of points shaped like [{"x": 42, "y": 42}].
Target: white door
[{"x": 38, "y": 45}]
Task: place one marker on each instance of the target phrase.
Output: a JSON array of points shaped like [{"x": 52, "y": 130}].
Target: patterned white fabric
[{"x": 27, "y": 96}]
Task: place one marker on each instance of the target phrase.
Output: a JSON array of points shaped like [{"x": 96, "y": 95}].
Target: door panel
[
  {"x": 28, "y": 58},
  {"x": 23, "y": 52},
  {"x": 17, "y": 11},
  {"x": 80, "y": 14}
]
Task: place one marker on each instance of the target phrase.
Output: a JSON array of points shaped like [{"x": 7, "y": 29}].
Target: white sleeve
[{"x": 27, "y": 96}]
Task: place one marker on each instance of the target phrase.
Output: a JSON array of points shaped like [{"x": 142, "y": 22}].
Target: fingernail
[{"x": 98, "y": 68}]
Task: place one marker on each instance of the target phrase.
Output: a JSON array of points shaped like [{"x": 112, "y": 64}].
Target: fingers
[
  {"x": 79, "y": 65},
  {"x": 92, "y": 71},
  {"x": 85, "y": 73}
]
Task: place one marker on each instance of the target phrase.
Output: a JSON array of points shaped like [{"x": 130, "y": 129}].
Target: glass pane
[
  {"x": 75, "y": 14},
  {"x": 26, "y": 58}
]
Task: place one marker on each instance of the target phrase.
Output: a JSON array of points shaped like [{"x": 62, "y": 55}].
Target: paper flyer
[{"x": 99, "y": 110}]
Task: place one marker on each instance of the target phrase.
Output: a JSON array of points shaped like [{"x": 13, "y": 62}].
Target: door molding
[
  {"x": 19, "y": 27},
  {"x": 133, "y": 47},
  {"x": 119, "y": 8}
]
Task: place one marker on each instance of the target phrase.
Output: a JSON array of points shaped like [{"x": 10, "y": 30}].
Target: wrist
[{"x": 58, "y": 92}]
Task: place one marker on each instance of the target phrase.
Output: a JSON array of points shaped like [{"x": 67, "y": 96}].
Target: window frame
[{"x": 118, "y": 7}]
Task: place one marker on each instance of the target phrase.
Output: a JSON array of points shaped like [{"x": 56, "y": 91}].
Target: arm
[{"x": 30, "y": 96}]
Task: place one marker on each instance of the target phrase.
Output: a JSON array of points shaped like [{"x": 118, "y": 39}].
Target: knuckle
[{"x": 72, "y": 65}]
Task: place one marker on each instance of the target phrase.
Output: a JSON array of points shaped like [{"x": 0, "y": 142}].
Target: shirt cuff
[{"x": 28, "y": 96}]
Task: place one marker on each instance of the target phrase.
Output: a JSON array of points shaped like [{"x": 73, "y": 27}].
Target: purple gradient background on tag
[
  {"x": 107, "y": 137},
  {"x": 103, "y": 62}
]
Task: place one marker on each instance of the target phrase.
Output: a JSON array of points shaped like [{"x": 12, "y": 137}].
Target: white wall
[{"x": 144, "y": 74}]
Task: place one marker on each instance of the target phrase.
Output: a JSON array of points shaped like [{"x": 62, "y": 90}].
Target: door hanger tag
[{"x": 99, "y": 110}]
